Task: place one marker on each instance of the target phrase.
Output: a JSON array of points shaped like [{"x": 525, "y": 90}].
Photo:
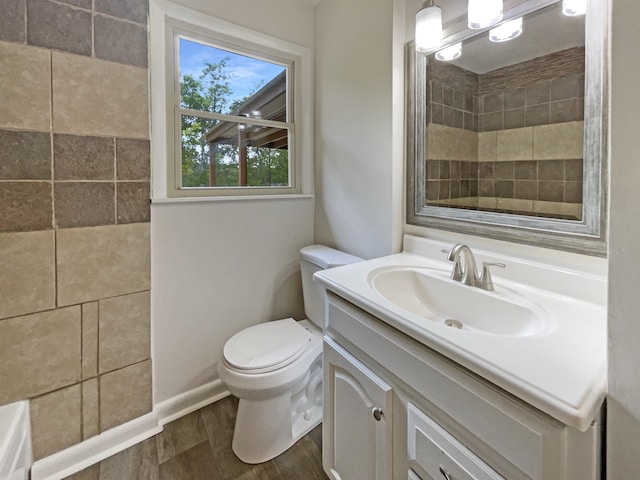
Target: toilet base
[
  {"x": 257, "y": 439},
  {"x": 266, "y": 428}
]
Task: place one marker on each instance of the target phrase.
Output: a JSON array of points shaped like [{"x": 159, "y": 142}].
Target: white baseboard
[
  {"x": 190, "y": 401},
  {"x": 82, "y": 455}
]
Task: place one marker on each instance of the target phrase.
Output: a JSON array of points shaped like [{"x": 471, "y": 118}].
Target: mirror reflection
[{"x": 505, "y": 121}]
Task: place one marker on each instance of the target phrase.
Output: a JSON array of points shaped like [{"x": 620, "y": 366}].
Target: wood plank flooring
[{"x": 198, "y": 447}]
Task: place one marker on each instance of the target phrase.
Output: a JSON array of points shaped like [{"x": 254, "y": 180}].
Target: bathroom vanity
[{"x": 410, "y": 394}]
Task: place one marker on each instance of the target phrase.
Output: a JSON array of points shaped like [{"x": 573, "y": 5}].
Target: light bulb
[
  {"x": 428, "y": 28},
  {"x": 450, "y": 53},
  {"x": 506, "y": 31},
  {"x": 573, "y": 8},
  {"x": 483, "y": 13}
]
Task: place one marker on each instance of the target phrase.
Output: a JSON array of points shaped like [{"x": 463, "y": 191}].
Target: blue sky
[{"x": 246, "y": 72}]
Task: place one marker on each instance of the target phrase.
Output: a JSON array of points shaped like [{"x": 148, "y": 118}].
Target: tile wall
[
  {"x": 453, "y": 96},
  {"x": 548, "y": 89},
  {"x": 74, "y": 215},
  {"x": 515, "y": 110}
]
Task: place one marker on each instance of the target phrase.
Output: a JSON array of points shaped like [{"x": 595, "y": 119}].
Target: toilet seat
[{"x": 266, "y": 347}]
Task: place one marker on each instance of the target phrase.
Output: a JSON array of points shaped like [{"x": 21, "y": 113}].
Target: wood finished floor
[{"x": 198, "y": 447}]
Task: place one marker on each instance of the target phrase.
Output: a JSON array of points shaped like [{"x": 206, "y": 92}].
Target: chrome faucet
[{"x": 464, "y": 268}]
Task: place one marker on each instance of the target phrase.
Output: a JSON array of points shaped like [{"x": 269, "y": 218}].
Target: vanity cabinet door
[{"x": 357, "y": 419}]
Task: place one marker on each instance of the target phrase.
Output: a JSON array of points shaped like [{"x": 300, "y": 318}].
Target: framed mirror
[{"x": 508, "y": 140}]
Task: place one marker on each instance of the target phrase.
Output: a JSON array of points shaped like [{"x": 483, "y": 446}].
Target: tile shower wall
[
  {"x": 541, "y": 98},
  {"x": 541, "y": 91},
  {"x": 452, "y": 95},
  {"x": 74, "y": 215}
]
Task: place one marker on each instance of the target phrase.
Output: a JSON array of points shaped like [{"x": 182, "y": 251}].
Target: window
[{"x": 231, "y": 115}]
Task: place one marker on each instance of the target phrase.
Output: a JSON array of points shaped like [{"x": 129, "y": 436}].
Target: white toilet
[{"x": 275, "y": 369}]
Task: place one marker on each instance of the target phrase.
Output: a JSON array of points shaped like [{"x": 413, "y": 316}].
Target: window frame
[{"x": 179, "y": 22}]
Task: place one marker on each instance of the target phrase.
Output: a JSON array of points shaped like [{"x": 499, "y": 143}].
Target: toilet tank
[{"x": 312, "y": 259}]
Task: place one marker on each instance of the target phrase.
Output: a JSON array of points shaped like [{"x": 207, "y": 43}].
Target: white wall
[
  {"x": 358, "y": 167},
  {"x": 623, "y": 431},
  {"x": 290, "y": 20},
  {"x": 219, "y": 266}
]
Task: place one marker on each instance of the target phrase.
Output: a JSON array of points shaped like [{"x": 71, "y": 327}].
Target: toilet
[{"x": 275, "y": 369}]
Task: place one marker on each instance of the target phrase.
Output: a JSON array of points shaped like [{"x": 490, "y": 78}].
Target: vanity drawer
[{"x": 436, "y": 453}]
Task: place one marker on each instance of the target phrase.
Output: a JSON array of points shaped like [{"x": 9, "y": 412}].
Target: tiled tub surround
[
  {"x": 528, "y": 170},
  {"x": 99, "y": 343},
  {"x": 74, "y": 216},
  {"x": 526, "y": 156}
]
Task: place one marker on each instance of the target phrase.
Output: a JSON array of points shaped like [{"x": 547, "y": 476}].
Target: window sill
[{"x": 256, "y": 198}]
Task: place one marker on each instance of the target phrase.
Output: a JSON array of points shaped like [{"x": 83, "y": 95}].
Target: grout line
[
  {"x": 98, "y": 373},
  {"x": 54, "y": 222},
  {"x": 74, "y": 304},
  {"x": 92, "y": 10},
  {"x": 78, "y": 180},
  {"x": 26, "y": 28},
  {"x": 125, "y": 20},
  {"x": 115, "y": 179},
  {"x": 51, "y": 148},
  {"x": 93, "y": 28},
  {"x": 55, "y": 268},
  {"x": 21, "y": 180},
  {"x": 82, "y": 346},
  {"x": 82, "y": 379}
]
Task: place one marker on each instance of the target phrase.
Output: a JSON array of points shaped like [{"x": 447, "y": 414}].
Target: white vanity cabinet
[{"x": 395, "y": 409}]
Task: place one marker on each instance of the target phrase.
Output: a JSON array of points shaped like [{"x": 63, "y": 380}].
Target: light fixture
[
  {"x": 428, "y": 27},
  {"x": 450, "y": 53},
  {"x": 483, "y": 13},
  {"x": 573, "y": 8},
  {"x": 506, "y": 31}
]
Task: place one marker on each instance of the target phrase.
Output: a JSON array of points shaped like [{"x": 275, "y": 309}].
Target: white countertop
[{"x": 561, "y": 371}]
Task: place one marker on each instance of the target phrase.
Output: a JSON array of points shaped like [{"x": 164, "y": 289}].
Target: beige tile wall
[
  {"x": 25, "y": 77},
  {"x": 450, "y": 143},
  {"x": 56, "y": 421},
  {"x": 74, "y": 258},
  {"x": 125, "y": 394},
  {"x": 515, "y": 144},
  {"x": 39, "y": 353},
  {"x": 83, "y": 86},
  {"x": 90, "y": 408},
  {"x": 543, "y": 142},
  {"x": 557, "y": 141},
  {"x": 124, "y": 334},
  {"x": 101, "y": 262},
  {"x": 27, "y": 272}
]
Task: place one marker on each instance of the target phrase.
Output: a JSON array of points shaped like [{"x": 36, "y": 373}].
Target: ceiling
[{"x": 544, "y": 31}]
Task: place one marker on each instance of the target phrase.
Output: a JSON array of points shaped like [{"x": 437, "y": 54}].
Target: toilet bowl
[{"x": 275, "y": 370}]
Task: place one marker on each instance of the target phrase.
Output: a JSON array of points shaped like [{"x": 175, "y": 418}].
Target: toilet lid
[{"x": 267, "y": 346}]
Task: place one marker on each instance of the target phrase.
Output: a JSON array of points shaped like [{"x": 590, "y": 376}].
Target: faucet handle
[
  {"x": 457, "y": 273},
  {"x": 486, "y": 281}
]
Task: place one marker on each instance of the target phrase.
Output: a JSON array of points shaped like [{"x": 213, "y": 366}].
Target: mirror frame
[{"x": 587, "y": 236}]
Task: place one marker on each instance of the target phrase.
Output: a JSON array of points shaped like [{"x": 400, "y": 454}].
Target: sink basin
[{"x": 432, "y": 295}]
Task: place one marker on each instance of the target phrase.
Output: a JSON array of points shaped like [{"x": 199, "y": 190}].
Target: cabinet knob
[
  {"x": 377, "y": 413},
  {"x": 444, "y": 473}
]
